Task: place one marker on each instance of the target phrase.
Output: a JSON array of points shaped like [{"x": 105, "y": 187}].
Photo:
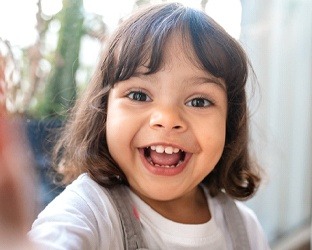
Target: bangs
[{"x": 141, "y": 41}]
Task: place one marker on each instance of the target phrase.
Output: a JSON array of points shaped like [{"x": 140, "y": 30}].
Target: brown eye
[
  {"x": 198, "y": 103},
  {"x": 139, "y": 96}
]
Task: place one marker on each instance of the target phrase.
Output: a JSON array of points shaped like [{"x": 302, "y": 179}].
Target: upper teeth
[{"x": 168, "y": 150}]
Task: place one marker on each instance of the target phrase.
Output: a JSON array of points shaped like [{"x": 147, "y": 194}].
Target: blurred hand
[{"x": 17, "y": 184}]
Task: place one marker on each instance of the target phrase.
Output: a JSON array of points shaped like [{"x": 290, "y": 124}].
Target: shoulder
[
  {"x": 83, "y": 196},
  {"x": 81, "y": 217},
  {"x": 256, "y": 235},
  {"x": 250, "y": 218}
]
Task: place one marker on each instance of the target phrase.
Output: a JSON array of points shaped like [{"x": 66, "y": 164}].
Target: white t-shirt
[{"x": 82, "y": 217}]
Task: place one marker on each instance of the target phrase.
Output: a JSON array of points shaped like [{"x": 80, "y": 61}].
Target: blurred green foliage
[{"x": 61, "y": 91}]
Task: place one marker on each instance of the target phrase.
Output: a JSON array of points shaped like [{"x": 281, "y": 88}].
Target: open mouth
[{"x": 163, "y": 156}]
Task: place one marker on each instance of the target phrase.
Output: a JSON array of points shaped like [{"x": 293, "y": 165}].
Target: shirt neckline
[{"x": 154, "y": 219}]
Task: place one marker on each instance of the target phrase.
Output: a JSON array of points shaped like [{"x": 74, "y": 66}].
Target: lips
[
  {"x": 164, "y": 160},
  {"x": 167, "y": 157}
]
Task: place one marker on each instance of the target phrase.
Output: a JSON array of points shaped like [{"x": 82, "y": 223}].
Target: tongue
[{"x": 165, "y": 159}]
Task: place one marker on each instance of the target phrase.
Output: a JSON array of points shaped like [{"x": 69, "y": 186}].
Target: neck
[{"x": 189, "y": 209}]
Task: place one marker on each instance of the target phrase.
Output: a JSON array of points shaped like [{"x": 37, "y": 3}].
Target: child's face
[{"x": 180, "y": 109}]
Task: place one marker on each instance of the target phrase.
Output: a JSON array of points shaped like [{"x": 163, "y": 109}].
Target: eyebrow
[
  {"x": 206, "y": 79},
  {"x": 198, "y": 80}
]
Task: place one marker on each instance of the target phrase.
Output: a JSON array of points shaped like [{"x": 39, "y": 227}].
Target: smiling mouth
[{"x": 164, "y": 157}]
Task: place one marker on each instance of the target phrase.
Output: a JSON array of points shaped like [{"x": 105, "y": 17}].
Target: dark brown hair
[{"x": 139, "y": 40}]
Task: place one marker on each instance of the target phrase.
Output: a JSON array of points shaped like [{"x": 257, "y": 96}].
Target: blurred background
[{"x": 49, "y": 48}]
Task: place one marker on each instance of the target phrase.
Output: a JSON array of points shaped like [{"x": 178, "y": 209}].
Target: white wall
[{"x": 277, "y": 35}]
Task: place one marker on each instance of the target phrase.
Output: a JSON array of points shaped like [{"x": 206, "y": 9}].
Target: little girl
[{"x": 156, "y": 149}]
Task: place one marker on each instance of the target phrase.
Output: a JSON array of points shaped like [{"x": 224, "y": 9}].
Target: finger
[{"x": 17, "y": 182}]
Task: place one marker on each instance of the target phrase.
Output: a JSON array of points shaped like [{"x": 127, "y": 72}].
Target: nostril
[
  {"x": 159, "y": 125},
  {"x": 167, "y": 121},
  {"x": 177, "y": 127}
]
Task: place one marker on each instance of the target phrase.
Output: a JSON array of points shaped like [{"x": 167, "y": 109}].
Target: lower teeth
[{"x": 164, "y": 166}]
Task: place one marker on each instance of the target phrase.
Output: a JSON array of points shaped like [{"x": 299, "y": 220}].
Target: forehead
[
  {"x": 177, "y": 48},
  {"x": 178, "y": 52}
]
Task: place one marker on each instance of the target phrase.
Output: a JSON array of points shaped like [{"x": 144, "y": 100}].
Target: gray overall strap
[
  {"x": 131, "y": 225},
  {"x": 235, "y": 223}
]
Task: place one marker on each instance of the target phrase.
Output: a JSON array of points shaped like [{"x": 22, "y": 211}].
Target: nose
[{"x": 168, "y": 119}]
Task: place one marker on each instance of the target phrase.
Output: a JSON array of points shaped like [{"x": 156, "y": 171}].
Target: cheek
[
  {"x": 114, "y": 127},
  {"x": 115, "y": 112},
  {"x": 120, "y": 130},
  {"x": 220, "y": 134},
  {"x": 212, "y": 137}
]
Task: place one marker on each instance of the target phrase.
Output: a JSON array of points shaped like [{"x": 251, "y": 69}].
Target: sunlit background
[
  {"x": 277, "y": 36},
  {"x": 18, "y": 20}
]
